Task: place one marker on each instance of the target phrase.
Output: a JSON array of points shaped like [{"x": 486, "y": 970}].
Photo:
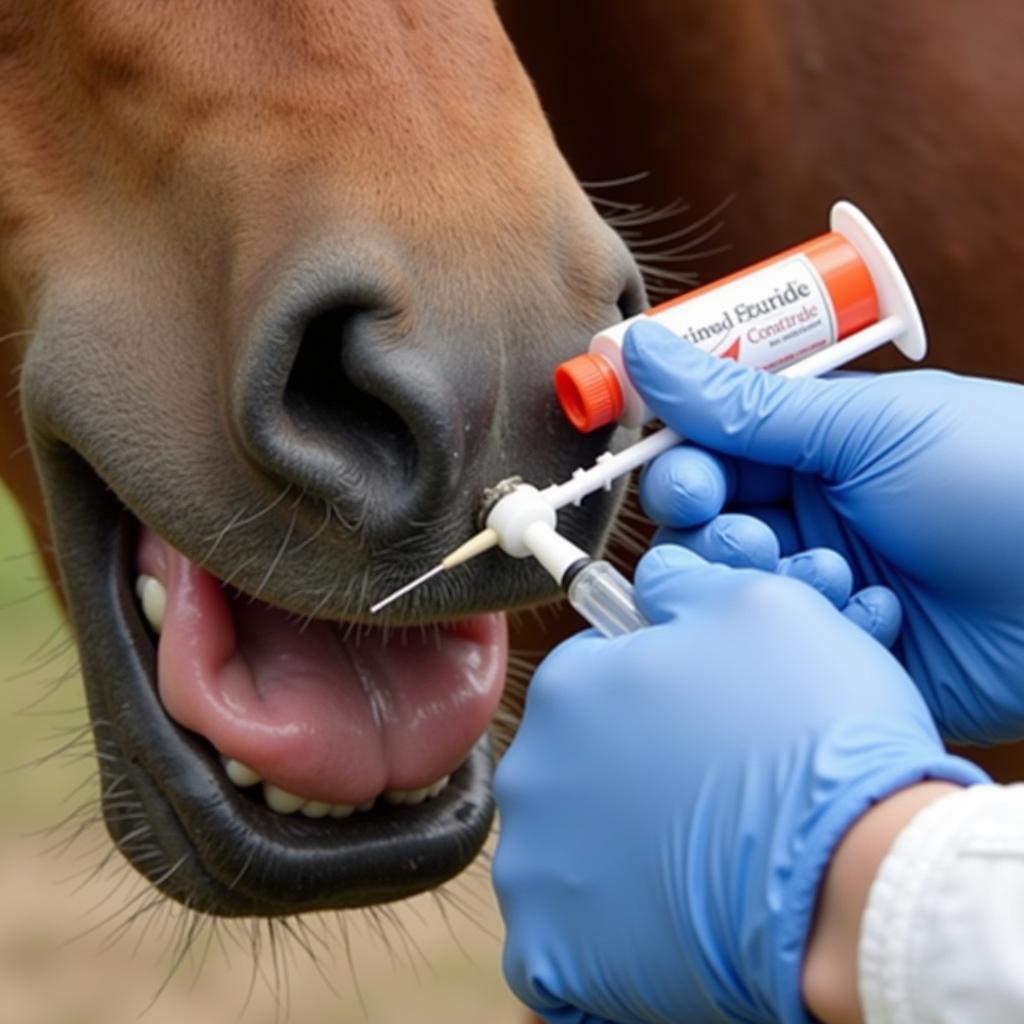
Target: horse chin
[{"x": 168, "y": 801}]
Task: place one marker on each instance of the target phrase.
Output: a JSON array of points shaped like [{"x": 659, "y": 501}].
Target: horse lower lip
[{"x": 190, "y": 831}]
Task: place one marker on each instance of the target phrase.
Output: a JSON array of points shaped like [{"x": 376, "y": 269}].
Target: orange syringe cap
[{"x": 589, "y": 391}]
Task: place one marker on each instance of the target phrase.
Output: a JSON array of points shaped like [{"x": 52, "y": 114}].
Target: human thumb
[{"x": 735, "y": 410}]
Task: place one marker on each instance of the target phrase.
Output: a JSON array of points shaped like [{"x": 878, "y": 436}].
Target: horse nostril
[
  {"x": 349, "y": 387},
  {"x": 337, "y": 395},
  {"x": 322, "y": 399}
]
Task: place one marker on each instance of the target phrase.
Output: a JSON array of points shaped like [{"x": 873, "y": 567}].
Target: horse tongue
[{"x": 324, "y": 717}]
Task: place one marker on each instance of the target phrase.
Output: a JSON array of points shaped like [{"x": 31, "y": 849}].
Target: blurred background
[{"x": 65, "y": 957}]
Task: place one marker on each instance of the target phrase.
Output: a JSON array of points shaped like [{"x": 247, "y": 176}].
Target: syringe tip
[
  {"x": 402, "y": 591},
  {"x": 477, "y": 545},
  {"x": 483, "y": 541}
]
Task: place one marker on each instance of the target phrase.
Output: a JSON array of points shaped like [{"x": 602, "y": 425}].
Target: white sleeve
[{"x": 942, "y": 937}]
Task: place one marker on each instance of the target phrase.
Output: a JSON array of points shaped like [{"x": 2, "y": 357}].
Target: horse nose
[{"x": 339, "y": 394}]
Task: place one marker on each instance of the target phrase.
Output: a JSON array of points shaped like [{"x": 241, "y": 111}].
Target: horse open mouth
[
  {"x": 258, "y": 762},
  {"x": 256, "y": 511},
  {"x": 329, "y": 717}
]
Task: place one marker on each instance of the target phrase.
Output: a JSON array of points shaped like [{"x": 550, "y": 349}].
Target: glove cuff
[{"x": 798, "y": 892}]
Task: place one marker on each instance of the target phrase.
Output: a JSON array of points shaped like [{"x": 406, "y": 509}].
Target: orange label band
[{"x": 843, "y": 273}]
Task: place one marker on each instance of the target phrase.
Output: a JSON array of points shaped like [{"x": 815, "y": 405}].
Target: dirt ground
[
  {"x": 47, "y": 976},
  {"x": 421, "y": 965}
]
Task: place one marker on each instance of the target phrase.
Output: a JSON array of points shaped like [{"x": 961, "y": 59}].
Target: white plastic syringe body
[
  {"x": 609, "y": 467},
  {"x": 523, "y": 523}
]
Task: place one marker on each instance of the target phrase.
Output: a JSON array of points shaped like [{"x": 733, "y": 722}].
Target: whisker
[
  {"x": 629, "y": 179},
  {"x": 280, "y": 551},
  {"x": 313, "y": 537},
  {"x": 190, "y": 934},
  {"x": 18, "y": 334},
  {"x": 237, "y": 522}
]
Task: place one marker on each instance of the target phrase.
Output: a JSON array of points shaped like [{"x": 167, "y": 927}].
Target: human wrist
[{"x": 829, "y": 974}]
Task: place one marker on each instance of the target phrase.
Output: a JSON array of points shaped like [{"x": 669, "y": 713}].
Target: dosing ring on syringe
[
  {"x": 492, "y": 495},
  {"x": 844, "y": 286}
]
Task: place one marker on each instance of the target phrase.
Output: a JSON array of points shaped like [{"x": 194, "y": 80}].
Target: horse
[{"x": 282, "y": 287}]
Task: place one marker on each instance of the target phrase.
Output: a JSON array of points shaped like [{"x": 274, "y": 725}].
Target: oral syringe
[{"x": 802, "y": 313}]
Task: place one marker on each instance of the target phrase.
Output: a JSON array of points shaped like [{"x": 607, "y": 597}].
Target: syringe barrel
[
  {"x": 768, "y": 317},
  {"x": 604, "y": 597}
]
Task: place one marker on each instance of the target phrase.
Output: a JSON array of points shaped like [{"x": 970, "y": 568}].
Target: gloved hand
[
  {"x": 693, "y": 493},
  {"x": 674, "y": 796},
  {"x": 915, "y": 478}
]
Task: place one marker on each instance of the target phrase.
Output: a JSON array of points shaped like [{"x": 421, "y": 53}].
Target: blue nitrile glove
[
  {"x": 674, "y": 796},
  {"x": 915, "y": 478},
  {"x": 684, "y": 491}
]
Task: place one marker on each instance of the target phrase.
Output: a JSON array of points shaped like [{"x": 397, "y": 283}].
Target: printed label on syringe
[{"x": 765, "y": 320}]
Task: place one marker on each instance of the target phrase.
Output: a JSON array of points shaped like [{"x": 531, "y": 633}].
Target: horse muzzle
[{"x": 225, "y": 511}]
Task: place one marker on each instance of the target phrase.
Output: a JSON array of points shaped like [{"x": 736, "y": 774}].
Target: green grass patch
[{"x": 34, "y": 654}]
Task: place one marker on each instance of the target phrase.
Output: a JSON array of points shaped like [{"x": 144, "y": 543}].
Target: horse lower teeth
[
  {"x": 281, "y": 800},
  {"x": 284, "y": 802},
  {"x": 152, "y": 595},
  {"x": 399, "y": 797},
  {"x": 240, "y": 774}
]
